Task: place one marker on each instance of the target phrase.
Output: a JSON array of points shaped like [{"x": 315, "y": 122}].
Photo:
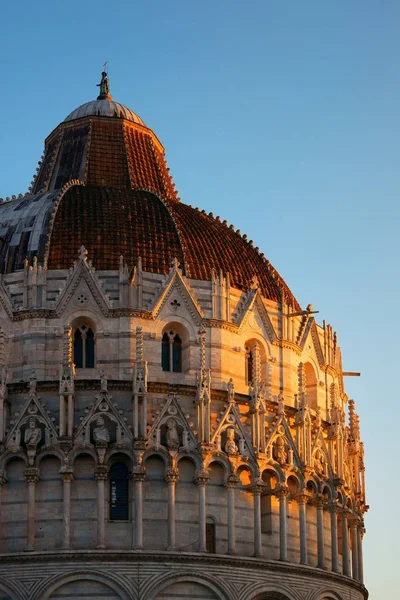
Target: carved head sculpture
[{"x": 99, "y": 421}]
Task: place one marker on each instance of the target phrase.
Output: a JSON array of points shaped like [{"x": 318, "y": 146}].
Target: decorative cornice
[{"x": 181, "y": 557}]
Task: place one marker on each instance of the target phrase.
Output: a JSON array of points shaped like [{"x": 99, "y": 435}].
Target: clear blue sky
[{"x": 280, "y": 116}]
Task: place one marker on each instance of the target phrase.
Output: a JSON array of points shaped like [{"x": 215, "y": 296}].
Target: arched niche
[
  {"x": 269, "y": 503},
  {"x": 49, "y": 504},
  {"x": 216, "y": 499},
  {"x": 83, "y": 585},
  {"x": 119, "y": 501},
  {"x": 155, "y": 505},
  {"x": 187, "y": 506},
  {"x": 244, "y": 509},
  {"x": 186, "y": 586},
  {"x": 14, "y": 506},
  {"x": 83, "y": 503},
  {"x": 311, "y": 385}
]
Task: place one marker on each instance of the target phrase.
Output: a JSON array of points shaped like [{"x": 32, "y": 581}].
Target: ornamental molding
[{"x": 174, "y": 560}]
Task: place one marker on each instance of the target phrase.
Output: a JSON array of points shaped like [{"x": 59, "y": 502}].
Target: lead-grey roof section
[
  {"x": 24, "y": 226},
  {"x": 104, "y": 108}
]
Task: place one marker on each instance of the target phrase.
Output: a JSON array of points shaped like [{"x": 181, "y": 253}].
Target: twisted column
[
  {"x": 333, "y": 508},
  {"x": 257, "y": 490},
  {"x": 171, "y": 478},
  {"x": 138, "y": 477},
  {"x": 282, "y": 494},
  {"x": 302, "y": 502},
  {"x": 32, "y": 477},
  {"x": 67, "y": 477},
  {"x": 101, "y": 475},
  {"x": 201, "y": 480},
  {"x": 231, "y": 486}
]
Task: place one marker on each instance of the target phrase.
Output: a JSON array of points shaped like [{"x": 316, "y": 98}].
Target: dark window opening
[
  {"x": 119, "y": 492},
  {"x": 171, "y": 352},
  {"x": 165, "y": 352},
  {"x": 249, "y": 367},
  {"x": 84, "y": 354},
  {"x": 210, "y": 537}
]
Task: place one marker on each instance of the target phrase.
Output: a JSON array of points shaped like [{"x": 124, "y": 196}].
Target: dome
[
  {"x": 104, "y": 108},
  {"x": 104, "y": 183}
]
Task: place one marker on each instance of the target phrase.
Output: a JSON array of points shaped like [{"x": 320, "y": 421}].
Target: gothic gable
[
  {"x": 175, "y": 294},
  {"x": 83, "y": 289}
]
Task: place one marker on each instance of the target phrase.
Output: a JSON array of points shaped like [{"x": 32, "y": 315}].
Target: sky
[{"x": 281, "y": 117}]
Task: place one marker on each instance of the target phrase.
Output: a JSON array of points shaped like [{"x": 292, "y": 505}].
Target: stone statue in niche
[
  {"x": 230, "y": 446},
  {"x": 101, "y": 434},
  {"x": 172, "y": 435},
  {"x": 103, "y": 381},
  {"x": 319, "y": 462},
  {"x": 231, "y": 390},
  {"x": 32, "y": 385},
  {"x": 33, "y": 434},
  {"x": 279, "y": 451}
]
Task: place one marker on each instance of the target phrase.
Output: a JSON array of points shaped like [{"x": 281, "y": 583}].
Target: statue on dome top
[{"x": 104, "y": 87}]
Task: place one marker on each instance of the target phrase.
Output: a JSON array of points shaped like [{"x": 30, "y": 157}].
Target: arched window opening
[
  {"x": 249, "y": 366},
  {"x": 84, "y": 340},
  {"x": 311, "y": 385},
  {"x": 171, "y": 352},
  {"x": 165, "y": 352},
  {"x": 210, "y": 536},
  {"x": 119, "y": 492}
]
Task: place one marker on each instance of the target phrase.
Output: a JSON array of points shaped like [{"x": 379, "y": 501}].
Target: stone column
[
  {"x": 138, "y": 477},
  {"x": 67, "y": 477},
  {"x": 345, "y": 544},
  {"x": 171, "y": 477},
  {"x": 32, "y": 477},
  {"x": 320, "y": 531},
  {"x": 302, "y": 502},
  {"x": 333, "y": 508},
  {"x": 282, "y": 494},
  {"x": 231, "y": 486},
  {"x": 70, "y": 420},
  {"x": 354, "y": 549},
  {"x": 360, "y": 532},
  {"x": 2, "y": 482},
  {"x": 201, "y": 480},
  {"x": 101, "y": 475},
  {"x": 257, "y": 489}
]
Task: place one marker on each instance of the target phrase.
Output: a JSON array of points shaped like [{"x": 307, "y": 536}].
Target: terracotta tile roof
[
  {"x": 127, "y": 206},
  {"x": 111, "y": 223}
]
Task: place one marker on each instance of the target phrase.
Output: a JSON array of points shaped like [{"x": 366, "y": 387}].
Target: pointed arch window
[
  {"x": 84, "y": 343},
  {"x": 171, "y": 352},
  {"x": 119, "y": 492}
]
